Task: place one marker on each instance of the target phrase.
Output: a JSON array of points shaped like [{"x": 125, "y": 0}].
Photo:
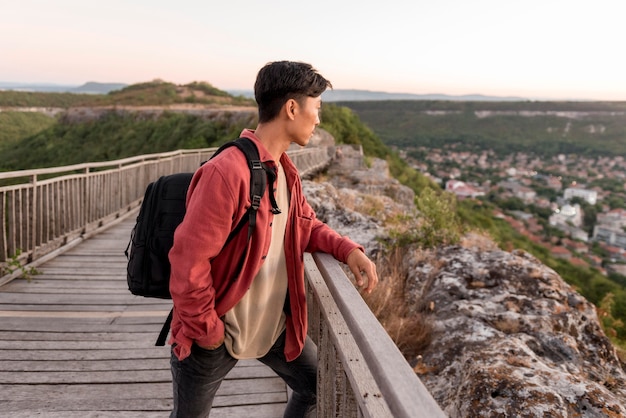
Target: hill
[
  {"x": 39, "y": 129},
  {"x": 155, "y": 93},
  {"x": 540, "y": 128},
  {"x": 91, "y": 87}
]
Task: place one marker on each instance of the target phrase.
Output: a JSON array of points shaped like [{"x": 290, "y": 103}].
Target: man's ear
[{"x": 290, "y": 108}]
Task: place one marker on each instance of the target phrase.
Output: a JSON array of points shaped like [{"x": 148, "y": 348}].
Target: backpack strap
[
  {"x": 260, "y": 176},
  {"x": 165, "y": 329}
]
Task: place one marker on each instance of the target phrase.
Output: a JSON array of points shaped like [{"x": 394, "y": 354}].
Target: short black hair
[{"x": 280, "y": 81}]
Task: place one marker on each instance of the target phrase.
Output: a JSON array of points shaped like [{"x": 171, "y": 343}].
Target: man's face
[{"x": 307, "y": 117}]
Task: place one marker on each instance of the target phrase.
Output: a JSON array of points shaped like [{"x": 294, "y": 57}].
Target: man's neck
[{"x": 273, "y": 138}]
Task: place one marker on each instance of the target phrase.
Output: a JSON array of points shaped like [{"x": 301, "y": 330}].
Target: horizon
[
  {"x": 46, "y": 87},
  {"x": 540, "y": 50}
]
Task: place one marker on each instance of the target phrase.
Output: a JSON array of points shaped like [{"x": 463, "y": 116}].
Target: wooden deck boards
[{"x": 75, "y": 343}]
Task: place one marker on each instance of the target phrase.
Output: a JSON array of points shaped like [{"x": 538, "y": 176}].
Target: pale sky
[{"x": 538, "y": 49}]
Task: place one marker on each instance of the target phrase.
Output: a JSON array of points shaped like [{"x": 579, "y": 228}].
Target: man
[{"x": 224, "y": 312}]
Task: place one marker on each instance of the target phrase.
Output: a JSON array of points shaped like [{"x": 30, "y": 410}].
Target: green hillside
[
  {"x": 17, "y": 125},
  {"x": 34, "y": 140},
  {"x": 118, "y": 135},
  {"x": 592, "y": 128}
]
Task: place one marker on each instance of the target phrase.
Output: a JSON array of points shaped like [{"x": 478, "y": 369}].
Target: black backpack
[{"x": 163, "y": 209}]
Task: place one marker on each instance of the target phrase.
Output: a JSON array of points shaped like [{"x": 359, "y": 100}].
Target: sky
[{"x": 536, "y": 49}]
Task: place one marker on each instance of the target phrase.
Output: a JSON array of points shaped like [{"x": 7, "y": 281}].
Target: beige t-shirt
[{"x": 256, "y": 322}]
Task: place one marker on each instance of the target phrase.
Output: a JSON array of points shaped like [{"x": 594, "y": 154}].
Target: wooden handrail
[
  {"x": 364, "y": 373},
  {"x": 104, "y": 164},
  {"x": 48, "y": 208}
]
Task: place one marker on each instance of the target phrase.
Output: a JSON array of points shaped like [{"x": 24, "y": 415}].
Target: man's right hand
[{"x": 211, "y": 347}]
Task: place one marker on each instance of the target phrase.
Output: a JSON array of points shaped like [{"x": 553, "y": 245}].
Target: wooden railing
[
  {"x": 361, "y": 371},
  {"x": 46, "y": 209}
]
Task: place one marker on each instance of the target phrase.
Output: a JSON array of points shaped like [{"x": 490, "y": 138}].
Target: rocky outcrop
[
  {"x": 510, "y": 338},
  {"x": 359, "y": 201}
]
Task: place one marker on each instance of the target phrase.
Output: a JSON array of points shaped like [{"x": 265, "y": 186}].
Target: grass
[{"x": 410, "y": 329}]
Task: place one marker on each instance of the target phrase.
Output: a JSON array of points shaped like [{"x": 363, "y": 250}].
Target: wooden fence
[
  {"x": 361, "y": 372},
  {"x": 45, "y": 209}
]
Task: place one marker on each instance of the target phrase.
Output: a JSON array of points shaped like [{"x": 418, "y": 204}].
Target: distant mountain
[
  {"x": 90, "y": 87},
  {"x": 367, "y": 95},
  {"x": 362, "y": 95},
  {"x": 94, "y": 87}
]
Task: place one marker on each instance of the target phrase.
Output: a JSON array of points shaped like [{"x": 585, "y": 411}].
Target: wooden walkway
[{"x": 75, "y": 343}]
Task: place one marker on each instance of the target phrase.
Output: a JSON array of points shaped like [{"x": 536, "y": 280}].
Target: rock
[
  {"x": 330, "y": 207},
  {"x": 511, "y": 338}
]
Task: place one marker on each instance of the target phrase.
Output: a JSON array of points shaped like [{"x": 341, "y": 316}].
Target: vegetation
[
  {"x": 33, "y": 140},
  {"x": 15, "y": 264},
  {"x": 346, "y": 127},
  {"x": 119, "y": 135},
  {"x": 16, "y": 125},
  {"x": 409, "y": 326},
  {"x": 10, "y": 98},
  {"x": 599, "y": 128}
]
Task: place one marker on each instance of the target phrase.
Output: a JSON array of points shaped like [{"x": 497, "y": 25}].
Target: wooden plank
[
  {"x": 259, "y": 378},
  {"x": 64, "y": 286},
  {"x": 131, "y": 390},
  {"x": 81, "y": 308},
  {"x": 34, "y": 353},
  {"x": 68, "y": 299},
  {"x": 140, "y": 405},
  {"x": 76, "y": 345},
  {"x": 24, "y": 336},
  {"x": 78, "y": 326},
  {"x": 254, "y": 371},
  {"x": 83, "y": 366}
]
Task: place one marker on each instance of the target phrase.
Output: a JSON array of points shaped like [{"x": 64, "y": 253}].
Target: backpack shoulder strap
[{"x": 260, "y": 176}]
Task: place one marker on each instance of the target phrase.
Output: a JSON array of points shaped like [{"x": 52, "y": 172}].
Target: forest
[{"x": 542, "y": 128}]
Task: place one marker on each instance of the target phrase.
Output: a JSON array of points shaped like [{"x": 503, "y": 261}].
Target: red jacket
[{"x": 202, "y": 284}]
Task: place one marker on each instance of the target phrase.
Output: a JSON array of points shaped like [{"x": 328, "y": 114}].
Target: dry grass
[
  {"x": 478, "y": 240},
  {"x": 411, "y": 332}
]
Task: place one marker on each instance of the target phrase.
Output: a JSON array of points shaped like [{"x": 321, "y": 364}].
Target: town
[{"x": 573, "y": 205}]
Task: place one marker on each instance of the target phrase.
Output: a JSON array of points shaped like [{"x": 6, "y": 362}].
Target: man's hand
[
  {"x": 359, "y": 264},
  {"x": 212, "y": 347}
]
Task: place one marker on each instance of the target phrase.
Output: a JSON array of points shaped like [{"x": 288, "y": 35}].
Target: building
[
  {"x": 567, "y": 215},
  {"x": 526, "y": 194},
  {"x": 611, "y": 228},
  {"x": 462, "y": 189},
  {"x": 590, "y": 196}
]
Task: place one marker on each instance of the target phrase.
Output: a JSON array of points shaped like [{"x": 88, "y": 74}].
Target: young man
[{"x": 223, "y": 313}]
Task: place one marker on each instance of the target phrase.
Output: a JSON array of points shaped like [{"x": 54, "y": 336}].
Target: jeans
[{"x": 197, "y": 378}]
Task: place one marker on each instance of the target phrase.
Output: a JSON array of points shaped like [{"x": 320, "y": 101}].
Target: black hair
[{"x": 280, "y": 81}]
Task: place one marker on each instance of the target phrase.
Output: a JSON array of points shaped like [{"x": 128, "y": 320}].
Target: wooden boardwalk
[{"x": 75, "y": 343}]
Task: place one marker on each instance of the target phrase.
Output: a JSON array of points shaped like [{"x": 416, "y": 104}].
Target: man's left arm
[{"x": 324, "y": 238}]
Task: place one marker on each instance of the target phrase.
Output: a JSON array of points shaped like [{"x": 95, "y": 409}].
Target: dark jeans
[{"x": 197, "y": 378}]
